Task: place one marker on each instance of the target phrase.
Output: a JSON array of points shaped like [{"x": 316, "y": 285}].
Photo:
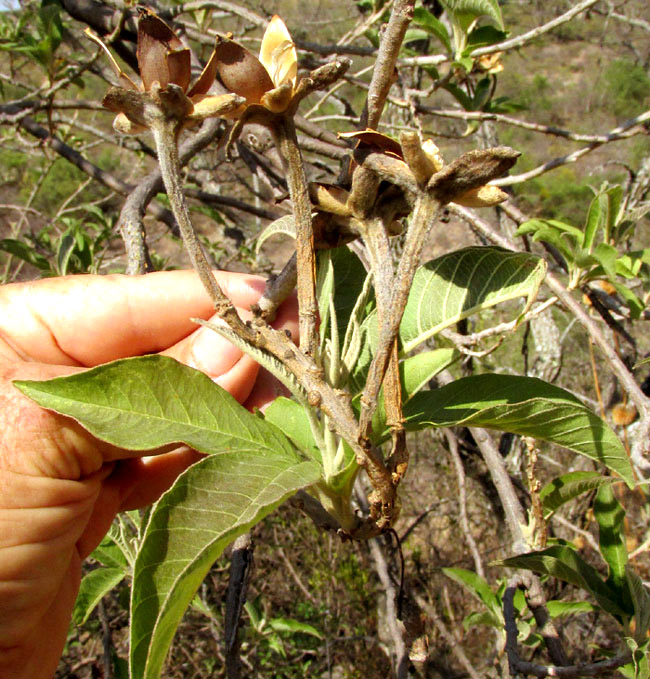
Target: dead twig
[{"x": 241, "y": 562}]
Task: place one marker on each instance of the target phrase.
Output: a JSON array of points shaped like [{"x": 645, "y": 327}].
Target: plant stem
[
  {"x": 287, "y": 143},
  {"x": 166, "y": 138},
  {"x": 426, "y": 209}
]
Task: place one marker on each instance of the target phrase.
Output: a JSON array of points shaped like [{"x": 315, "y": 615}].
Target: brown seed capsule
[
  {"x": 162, "y": 57},
  {"x": 240, "y": 71}
]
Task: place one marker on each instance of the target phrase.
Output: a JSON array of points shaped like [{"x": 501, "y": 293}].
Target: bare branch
[
  {"x": 383, "y": 73},
  {"x": 241, "y": 562},
  {"x": 455, "y": 647},
  {"x": 452, "y": 444},
  {"x": 628, "y": 129}
]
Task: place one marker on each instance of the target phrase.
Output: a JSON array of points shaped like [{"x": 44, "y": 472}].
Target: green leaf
[
  {"x": 459, "y": 94},
  {"x": 252, "y": 467},
  {"x": 455, "y": 286},
  {"x": 94, "y": 586},
  {"x": 633, "y": 303},
  {"x": 483, "y": 36},
  {"x": 641, "y": 602},
  {"x": 109, "y": 552},
  {"x": 596, "y": 216},
  {"x": 349, "y": 278},
  {"x": 289, "y": 626},
  {"x": 416, "y": 371},
  {"x": 27, "y": 253},
  {"x": 565, "y": 564},
  {"x": 426, "y": 20},
  {"x": 254, "y": 613},
  {"x": 533, "y": 225},
  {"x": 353, "y": 341},
  {"x": 631, "y": 264},
  {"x": 639, "y": 667},
  {"x": 475, "y": 9},
  {"x": 505, "y": 105},
  {"x": 275, "y": 643},
  {"x": 481, "y": 94},
  {"x": 67, "y": 246},
  {"x": 284, "y": 225},
  {"x": 210, "y": 505},
  {"x": 292, "y": 419},
  {"x": 567, "y": 487},
  {"x": 479, "y": 589},
  {"x": 415, "y": 35},
  {"x": 521, "y": 405},
  {"x": 147, "y": 402},
  {"x": 562, "y": 609},
  {"x": 614, "y": 203},
  {"x": 606, "y": 255},
  {"x": 564, "y": 242},
  {"x": 368, "y": 340},
  {"x": 610, "y": 517}
]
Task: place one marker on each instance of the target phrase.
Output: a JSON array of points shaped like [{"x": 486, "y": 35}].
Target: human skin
[{"x": 60, "y": 488}]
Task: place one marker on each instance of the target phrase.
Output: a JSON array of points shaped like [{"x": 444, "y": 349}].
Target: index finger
[{"x": 87, "y": 320}]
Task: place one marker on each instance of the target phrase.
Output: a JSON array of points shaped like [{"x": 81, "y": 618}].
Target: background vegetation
[{"x": 574, "y": 100}]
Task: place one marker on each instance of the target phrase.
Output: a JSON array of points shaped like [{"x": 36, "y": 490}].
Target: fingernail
[{"x": 212, "y": 353}]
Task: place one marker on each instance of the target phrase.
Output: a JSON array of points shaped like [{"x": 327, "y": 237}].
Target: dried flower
[
  {"x": 164, "y": 64},
  {"x": 269, "y": 80},
  {"x": 429, "y": 162},
  {"x": 490, "y": 63}
]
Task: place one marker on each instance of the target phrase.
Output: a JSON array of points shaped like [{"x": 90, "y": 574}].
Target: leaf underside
[{"x": 148, "y": 402}]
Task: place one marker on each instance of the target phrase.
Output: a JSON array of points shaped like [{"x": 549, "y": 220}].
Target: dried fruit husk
[{"x": 240, "y": 71}]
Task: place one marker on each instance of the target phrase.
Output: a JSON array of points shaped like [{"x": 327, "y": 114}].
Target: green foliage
[
  {"x": 276, "y": 632},
  {"x": 432, "y": 25},
  {"x": 465, "y": 282},
  {"x": 480, "y": 589},
  {"x": 564, "y": 563},
  {"x": 522, "y": 405},
  {"x": 250, "y": 469},
  {"x": 598, "y": 249},
  {"x": 39, "y": 42},
  {"x": 567, "y": 487},
  {"x": 626, "y": 88},
  {"x": 622, "y": 594},
  {"x": 253, "y": 464},
  {"x": 78, "y": 248}
]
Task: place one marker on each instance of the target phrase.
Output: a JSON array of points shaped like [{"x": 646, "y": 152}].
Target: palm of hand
[{"x": 59, "y": 487}]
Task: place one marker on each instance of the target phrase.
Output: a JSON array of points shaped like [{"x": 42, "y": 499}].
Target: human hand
[{"x": 60, "y": 488}]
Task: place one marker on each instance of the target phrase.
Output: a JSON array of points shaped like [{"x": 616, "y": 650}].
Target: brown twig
[
  {"x": 452, "y": 445},
  {"x": 165, "y": 133},
  {"x": 135, "y": 205},
  {"x": 287, "y": 143},
  {"x": 452, "y": 642},
  {"x": 241, "y": 562},
  {"x": 383, "y": 73}
]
